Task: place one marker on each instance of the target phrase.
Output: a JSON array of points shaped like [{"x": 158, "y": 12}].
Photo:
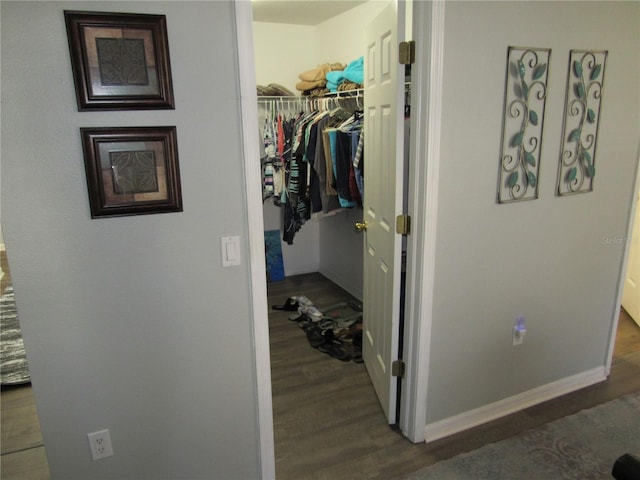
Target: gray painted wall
[
  {"x": 341, "y": 250},
  {"x": 545, "y": 259},
  {"x": 130, "y": 323}
]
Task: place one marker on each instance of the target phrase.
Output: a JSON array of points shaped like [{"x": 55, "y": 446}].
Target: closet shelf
[
  {"x": 357, "y": 92},
  {"x": 344, "y": 93}
]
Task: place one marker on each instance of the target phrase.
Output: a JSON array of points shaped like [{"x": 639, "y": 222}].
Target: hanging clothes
[
  {"x": 268, "y": 159},
  {"x": 308, "y": 163}
]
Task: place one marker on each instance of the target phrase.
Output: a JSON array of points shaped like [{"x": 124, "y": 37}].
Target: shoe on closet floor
[
  {"x": 336, "y": 350},
  {"x": 290, "y": 305},
  {"x": 312, "y": 312}
]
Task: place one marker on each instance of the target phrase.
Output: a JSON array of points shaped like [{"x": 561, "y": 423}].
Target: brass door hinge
[
  {"x": 407, "y": 52},
  {"x": 397, "y": 369},
  {"x": 403, "y": 224}
]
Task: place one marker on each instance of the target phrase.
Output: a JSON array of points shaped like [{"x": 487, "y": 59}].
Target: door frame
[
  {"x": 624, "y": 265},
  {"x": 428, "y": 31},
  {"x": 424, "y": 165},
  {"x": 256, "y": 256}
]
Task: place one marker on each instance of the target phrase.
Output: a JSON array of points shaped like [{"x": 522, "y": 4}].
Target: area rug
[
  {"x": 14, "y": 369},
  {"x": 583, "y": 446}
]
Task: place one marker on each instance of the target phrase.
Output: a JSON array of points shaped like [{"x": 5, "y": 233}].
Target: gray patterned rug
[
  {"x": 583, "y": 446},
  {"x": 14, "y": 369}
]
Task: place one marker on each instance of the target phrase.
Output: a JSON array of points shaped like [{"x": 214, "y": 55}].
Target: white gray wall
[
  {"x": 130, "y": 323},
  {"x": 545, "y": 259},
  {"x": 282, "y": 51}
]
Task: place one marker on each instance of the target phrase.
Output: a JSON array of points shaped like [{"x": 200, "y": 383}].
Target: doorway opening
[
  {"x": 21, "y": 438},
  {"x": 631, "y": 281},
  {"x": 342, "y": 265}
]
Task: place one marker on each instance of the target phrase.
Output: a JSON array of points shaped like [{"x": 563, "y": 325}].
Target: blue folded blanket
[
  {"x": 332, "y": 87},
  {"x": 334, "y": 79},
  {"x": 354, "y": 73}
]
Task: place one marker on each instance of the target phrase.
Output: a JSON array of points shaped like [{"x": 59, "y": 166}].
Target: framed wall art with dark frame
[
  {"x": 120, "y": 61},
  {"x": 132, "y": 170}
]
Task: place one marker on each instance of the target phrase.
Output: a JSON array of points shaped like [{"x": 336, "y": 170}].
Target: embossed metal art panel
[
  {"x": 522, "y": 125},
  {"x": 583, "y": 103}
]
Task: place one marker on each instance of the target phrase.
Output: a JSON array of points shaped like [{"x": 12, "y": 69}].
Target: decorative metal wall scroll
[
  {"x": 585, "y": 81},
  {"x": 524, "y": 104}
]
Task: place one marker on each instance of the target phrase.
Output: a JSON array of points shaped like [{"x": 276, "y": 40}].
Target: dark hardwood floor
[
  {"x": 23, "y": 454},
  {"x": 328, "y": 423},
  {"x": 5, "y": 281}
]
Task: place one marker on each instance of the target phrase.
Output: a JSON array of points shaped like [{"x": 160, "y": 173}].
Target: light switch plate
[{"x": 230, "y": 249}]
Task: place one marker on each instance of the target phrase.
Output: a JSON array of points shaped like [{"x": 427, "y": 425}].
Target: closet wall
[{"x": 282, "y": 51}]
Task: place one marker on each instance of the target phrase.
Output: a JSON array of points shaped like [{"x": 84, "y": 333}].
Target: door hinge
[
  {"x": 407, "y": 52},
  {"x": 403, "y": 224},
  {"x": 397, "y": 369}
]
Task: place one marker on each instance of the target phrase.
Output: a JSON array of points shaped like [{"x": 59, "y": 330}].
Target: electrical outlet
[
  {"x": 518, "y": 338},
  {"x": 519, "y": 330},
  {"x": 100, "y": 444}
]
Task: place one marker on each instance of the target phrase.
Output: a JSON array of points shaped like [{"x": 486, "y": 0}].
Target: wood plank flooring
[
  {"x": 5, "y": 281},
  {"x": 20, "y": 425},
  {"x": 328, "y": 423},
  {"x": 23, "y": 454}
]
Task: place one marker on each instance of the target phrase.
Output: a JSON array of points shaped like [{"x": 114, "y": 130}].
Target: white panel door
[
  {"x": 631, "y": 292},
  {"x": 383, "y": 177}
]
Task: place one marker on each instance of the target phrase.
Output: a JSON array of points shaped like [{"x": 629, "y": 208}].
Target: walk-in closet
[
  {"x": 327, "y": 242},
  {"x": 315, "y": 395}
]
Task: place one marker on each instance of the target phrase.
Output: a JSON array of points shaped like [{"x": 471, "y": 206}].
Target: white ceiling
[{"x": 300, "y": 12}]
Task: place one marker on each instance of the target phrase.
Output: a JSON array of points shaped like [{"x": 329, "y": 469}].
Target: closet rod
[
  {"x": 280, "y": 97},
  {"x": 354, "y": 92},
  {"x": 346, "y": 93},
  {"x": 342, "y": 94}
]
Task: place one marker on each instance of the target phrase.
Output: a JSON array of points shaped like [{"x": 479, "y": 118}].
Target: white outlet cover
[{"x": 100, "y": 444}]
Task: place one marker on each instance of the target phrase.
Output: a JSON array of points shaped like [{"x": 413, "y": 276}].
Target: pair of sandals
[
  {"x": 338, "y": 344},
  {"x": 292, "y": 304},
  {"x": 326, "y": 342},
  {"x": 302, "y": 305},
  {"x": 325, "y": 333}
]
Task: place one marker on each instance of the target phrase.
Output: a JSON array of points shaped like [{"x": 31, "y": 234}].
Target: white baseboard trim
[
  {"x": 300, "y": 270},
  {"x": 501, "y": 408}
]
